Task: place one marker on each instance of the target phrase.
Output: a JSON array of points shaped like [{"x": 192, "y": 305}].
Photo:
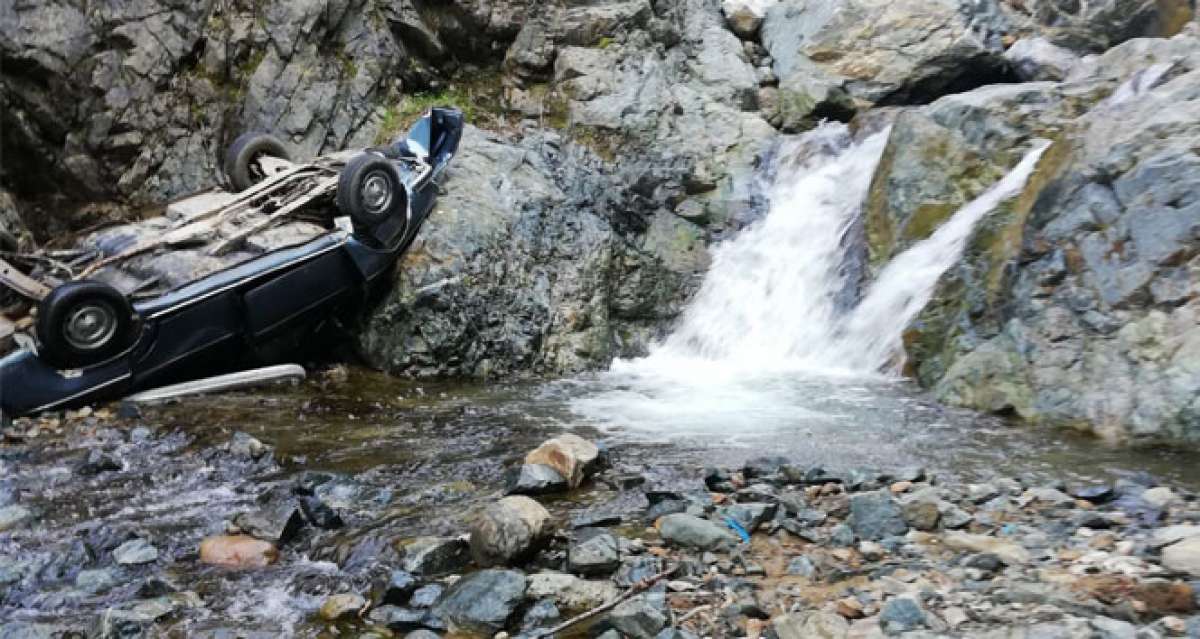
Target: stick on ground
[{"x": 635, "y": 590}]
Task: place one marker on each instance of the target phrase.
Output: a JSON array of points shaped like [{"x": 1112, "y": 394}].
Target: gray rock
[
  {"x": 842, "y": 536},
  {"x": 399, "y": 619},
  {"x": 430, "y": 556},
  {"x": 810, "y": 625},
  {"x": 13, "y": 516},
  {"x": 875, "y": 515},
  {"x": 542, "y": 614},
  {"x": 247, "y": 447},
  {"x": 749, "y": 516},
  {"x": 399, "y": 588},
  {"x": 802, "y": 567},
  {"x": 96, "y": 581},
  {"x": 901, "y": 614},
  {"x": 279, "y": 522},
  {"x": 693, "y": 532},
  {"x": 639, "y": 618},
  {"x": 1040, "y": 59},
  {"x": 1183, "y": 556},
  {"x": 536, "y": 479},
  {"x": 483, "y": 602},
  {"x": 426, "y": 596},
  {"x": 134, "y": 552},
  {"x": 595, "y": 552}
]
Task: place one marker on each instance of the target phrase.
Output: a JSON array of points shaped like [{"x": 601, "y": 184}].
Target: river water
[{"x": 767, "y": 360}]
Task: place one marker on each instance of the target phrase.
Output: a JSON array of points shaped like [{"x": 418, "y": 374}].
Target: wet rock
[
  {"x": 429, "y": 556},
  {"x": 1183, "y": 556},
  {"x": 1051, "y": 497},
  {"x": 237, "y": 551},
  {"x": 536, "y": 479},
  {"x": 675, "y": 633},
  {"x": 422, "y": 634},
  {"x": 399, "y": 588},
  {"x": 1095, "y": 493},
  {"x": 921, "y": 514},
  {"x": 278, "y": 523},
  {"x": 247, "y": 447},
  {"x": 131, "y": 620},
  {"x": 572, "y": 456},
  {"x": 637, "y": 569},
  {"x": 570, "y": 593},
  {"x": 484, "y": 601},
  {"x": 399, "y": 619},
  {"x": 875, "y": 515},
  {"x": 693, "y": 532},
  {"x": 508, "y": 530},
  {"x": 96, "y": 581},
  {"x": 542, "y": 614},
  {"x": 135, "y": 552},
  {"x": 760, "y": 467},
  {"x": 901, "y": 615},
  {"x": 99, "y": 462},
  {"x": 810, "y": 625},
  {"x": 13, "y": 516},
  {"x": 639, "y": 617},
  {"x": 426, "y": 596},
  {"x": 343, "y": 605},
  {"x": 320, "y": 514},
  {"x": 595, "y": 552},
  {"x": 1010, "y": 552}
]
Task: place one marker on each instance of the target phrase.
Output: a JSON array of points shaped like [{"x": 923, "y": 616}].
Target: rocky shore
[{"x": 567, "y": 528}]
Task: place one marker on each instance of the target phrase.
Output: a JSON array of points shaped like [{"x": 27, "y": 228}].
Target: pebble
[
  {"x": 1160, "y": 497},
  {"x": 134, "y": 552}
]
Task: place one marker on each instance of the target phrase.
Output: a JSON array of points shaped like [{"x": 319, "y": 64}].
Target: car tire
[
  {"x": 370, "y": 191},
  {"x": 240, "y": 167},
  {"x": 83, "y": 323}
]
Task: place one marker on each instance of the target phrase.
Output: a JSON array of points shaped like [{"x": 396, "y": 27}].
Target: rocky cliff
[{"x": 615, "y": 142}]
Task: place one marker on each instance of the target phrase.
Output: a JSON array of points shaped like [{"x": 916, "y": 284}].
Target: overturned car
[{"x": 98, "y": 332}]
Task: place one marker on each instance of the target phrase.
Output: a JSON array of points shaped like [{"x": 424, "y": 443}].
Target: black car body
[{"x": 209, "y": 325}]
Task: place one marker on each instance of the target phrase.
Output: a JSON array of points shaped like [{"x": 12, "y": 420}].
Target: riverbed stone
[
  {"x": 810, "y": 625},
  {"x": 343, "y": 605},
  {"x": 641, "y": 617},
  {"x": 430, "y": 556},
  {"x": 572, "y": 456},
  {"x": 484, "y": 601},
  {"x": 594, "y": 552},
  {"x": 1183, "y": 556},
  {"x": 876, "y": 515},
  {"x": 237, "y": 551},
  {"x": 135, "y": 552},
  {"x": 1160, "y": 497},
  {"x": 1168, "y": 535},
  {"x": 1010, "y": 552},
  {"x": 399, "y": 588},
  {"x": 13, "y": 516},
  {"x": 279, "y": 523},
  {"x": 536, "y": 479},
  {"x": 508, "y": 530},
  {"x": 96, "y": 580},
  {"x": 901, "y": 615},
  {"x": 689, "y": 531},
  {"x": 570, "y": 593}
]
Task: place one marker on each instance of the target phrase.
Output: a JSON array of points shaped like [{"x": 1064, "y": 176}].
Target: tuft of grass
[
  {"x": 479, "y": 97},
  {"x": 605, "y": 42}
]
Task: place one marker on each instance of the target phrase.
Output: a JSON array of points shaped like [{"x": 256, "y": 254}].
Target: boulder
[
  {"x": 237, "y": 551},
  {"x": 508, "y": 531},
  {"x": 1036, "y": 59},
  {"x": 1183, "y": 556},
  {"x": 689, "y": 531},
  {"x": 810, "y": 625},
  {"x": 482, "y": 602},
  {"x": 641, "y": 617},
  {"x": 278, "y": 523},
  {"x": 429, "y": 556},
  {"x": 572, "y": 456}
]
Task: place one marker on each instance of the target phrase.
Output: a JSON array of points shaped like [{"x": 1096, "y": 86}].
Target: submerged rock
[
  {"x": 434, "y": 555},
  {"x": 344, "y": 605},
  {"x": 484, "y": 601},
  {"x": 536, "y": 479},
  {"x": 135, "y": 551}
]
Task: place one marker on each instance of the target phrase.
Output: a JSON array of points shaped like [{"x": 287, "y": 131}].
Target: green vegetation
[
  {"x": 479, "y": 97},
  {"x": 604, "y": 43}
]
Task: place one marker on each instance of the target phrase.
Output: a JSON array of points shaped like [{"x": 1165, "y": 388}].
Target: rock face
[{"x": 1073, "y": 304}]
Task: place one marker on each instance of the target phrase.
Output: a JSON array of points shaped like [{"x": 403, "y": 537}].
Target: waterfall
[{"x": 769, "y": 300}]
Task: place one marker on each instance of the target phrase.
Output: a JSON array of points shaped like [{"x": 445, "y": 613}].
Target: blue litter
[{"x": 737, "y": 528}]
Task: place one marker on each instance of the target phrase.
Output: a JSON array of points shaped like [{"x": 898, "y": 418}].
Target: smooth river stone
[{"x": 238, "y": 551}]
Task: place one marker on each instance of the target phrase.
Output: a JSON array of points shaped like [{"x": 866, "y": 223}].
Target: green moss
[
  {"x": 604, "y": 43},
  {"x": 478, "y": 96}
]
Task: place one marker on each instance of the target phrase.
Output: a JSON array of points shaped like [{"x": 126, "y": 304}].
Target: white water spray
[{"x": 768, "y": 301}]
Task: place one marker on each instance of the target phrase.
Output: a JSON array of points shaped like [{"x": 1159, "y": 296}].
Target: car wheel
[
  {"x": 241, "y": 166},
  {"x": 84, "y": 323},
  {"x": 370, "y": 191}
]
